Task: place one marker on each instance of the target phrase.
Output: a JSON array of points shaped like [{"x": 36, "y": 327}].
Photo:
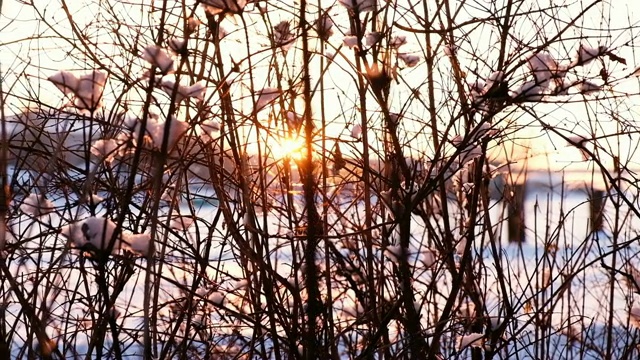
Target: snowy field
[{"x": 528, "y": 266}]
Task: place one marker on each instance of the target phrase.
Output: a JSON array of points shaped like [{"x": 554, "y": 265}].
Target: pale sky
[{"x": 42, "y": 56}]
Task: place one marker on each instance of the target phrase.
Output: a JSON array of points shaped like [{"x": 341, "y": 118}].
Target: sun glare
[{"x": 288, "y": 147}]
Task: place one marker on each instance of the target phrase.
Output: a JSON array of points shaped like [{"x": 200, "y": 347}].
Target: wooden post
[
  {"x": 596, "y": 209},
  {"x": 515, "y": 211}
]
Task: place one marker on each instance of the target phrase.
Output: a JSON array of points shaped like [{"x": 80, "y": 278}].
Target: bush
[{"x": 229, "y": 179}]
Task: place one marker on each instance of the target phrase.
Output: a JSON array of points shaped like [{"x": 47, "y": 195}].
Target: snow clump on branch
[
  {"x": 324, "y": 27},
  {"x": 196, "y": 91},
  {"x": 225, "y": 7},
  {"x": 587, "y": 54},
  {"x": 158, "y": 57},
  {"x": 102, "y": 234},
  {"x": 36, "y": 205},
  {"x": 358, "y": 5},
  {"x": 283, "y": 36},
  {"x": 87, "y": 89},
  {"x": 93, "y": 233}
]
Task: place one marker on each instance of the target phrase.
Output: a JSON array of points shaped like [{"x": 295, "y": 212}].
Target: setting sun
[{"x": 288, "y": 147}]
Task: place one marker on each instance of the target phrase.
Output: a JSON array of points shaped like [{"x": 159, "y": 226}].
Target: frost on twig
[{"x": 546, "y": 70}]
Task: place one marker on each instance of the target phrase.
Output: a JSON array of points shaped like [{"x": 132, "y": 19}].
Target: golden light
[{"x": 288, "y": 147}]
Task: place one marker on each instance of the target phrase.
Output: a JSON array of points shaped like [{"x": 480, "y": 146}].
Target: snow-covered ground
[{"x": 528, "y": 266}]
